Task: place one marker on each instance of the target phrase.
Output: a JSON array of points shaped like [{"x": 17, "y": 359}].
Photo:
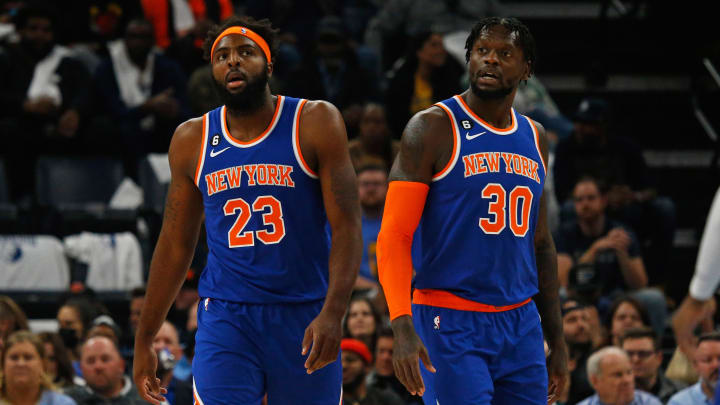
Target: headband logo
[{"x": 243, "y": 30}]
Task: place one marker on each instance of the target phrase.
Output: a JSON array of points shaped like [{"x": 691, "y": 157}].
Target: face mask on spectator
[{"x": 69, "y": 337}]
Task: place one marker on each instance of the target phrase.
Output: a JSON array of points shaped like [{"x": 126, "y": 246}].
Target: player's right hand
[
  {"x": 144, "y": 374},
  {"x": 407, "y": 351}
]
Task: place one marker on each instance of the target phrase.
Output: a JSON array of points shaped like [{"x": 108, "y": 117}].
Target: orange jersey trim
[
  {"x": 453, "y": 159},
  {"x": 297, "y": 140},
  {"x": 203, "y": 146},
  {"x": 467, "y": 107},
  {"x": 260, "y": 137},
  {"x": 537, "y": 143},
  {"x": 444, "y": 299}
]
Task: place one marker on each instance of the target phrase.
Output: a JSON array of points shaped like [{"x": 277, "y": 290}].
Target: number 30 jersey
[
  {"x": 479, "y": 219},
  {"x": 264, "y": 214}
]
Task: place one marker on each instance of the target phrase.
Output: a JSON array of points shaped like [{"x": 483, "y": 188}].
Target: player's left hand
[
  {"x": 557, "y": 370},
  {"x": 324, "y": 333}
]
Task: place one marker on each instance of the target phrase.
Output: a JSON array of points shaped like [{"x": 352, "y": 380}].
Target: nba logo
[
  {"x": 207, "y": 301},
  {"x": 243, "y": 30},
  {"x": 437, "y": 322}
]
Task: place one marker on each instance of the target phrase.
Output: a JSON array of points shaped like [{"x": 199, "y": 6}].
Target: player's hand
[
  {"x": 407, "y": 351},
  {"x": 557, "y": 370},
  {"x": 324, "y": 334},
  {"x": 686, "y": 319},
  {"x": 144, "y": 374}
]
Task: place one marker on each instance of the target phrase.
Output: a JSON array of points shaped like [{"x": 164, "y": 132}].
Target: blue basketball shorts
[
  {"x": 483, "y": 358},
  {"x": 243, "y": 351}
]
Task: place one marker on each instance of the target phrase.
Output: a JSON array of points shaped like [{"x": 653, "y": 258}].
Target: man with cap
[
  {"x": 578, "y": 336},
  {"x": 593, "y": 150},
  {"x": 356, "y": 363}
]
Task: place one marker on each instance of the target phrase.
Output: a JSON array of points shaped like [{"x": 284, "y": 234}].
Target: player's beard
[
  {"x": 251, "y": 98},
  {"x": 496, "y": 94}
]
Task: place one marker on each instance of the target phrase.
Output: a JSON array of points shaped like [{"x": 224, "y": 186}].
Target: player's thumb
[
  {"x": 425, "y": 357},
  {"x": 307, "y": 339}
]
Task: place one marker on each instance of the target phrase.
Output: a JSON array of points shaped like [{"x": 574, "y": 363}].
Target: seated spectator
[
  {"x": 104, "y": 325},
  {"x": 643, "y": 349},
  {"x": 142, "y": 91},
  {"x": 332, "y": 72},
  {"x": 362, "y": 321},
  {"x": 374, "y": 138},
  {"x": 382, "y": 376},
  {"x": 202, "y": 91},
  {"x": 578, "y": 336},
  {"x": 43, "y": 93},
  {"x": 593, "y": 150},
  {"x": 706, "y": 362},
  {"x": 605, "y": 254},
  {"x": 103, "y": 368},
  {"x": 176, "y": 18},
  {"x": 167, "y": 339},
  {"x": 534, "y": 100},
  {"x": 58, "y": 366},
  {"x": 611, "y": 376},
  {"x": 23, "y": 379},
  {"x": 75, "y": 318},
  {"x": 423, "y": 77},
  {"x": 127, "y": 342},
  {"x": 625, "y": 313},
  {"x": 372, "y": 188},
  {"x": 173, "y": 368},
  {"x": 356, "y": 360},
  {"x": 12, "y": 318}
]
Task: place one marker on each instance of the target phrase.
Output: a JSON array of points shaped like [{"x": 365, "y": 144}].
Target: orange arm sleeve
[{"x": 403, "y": 208}]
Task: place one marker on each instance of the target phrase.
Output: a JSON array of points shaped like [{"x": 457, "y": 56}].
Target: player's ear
[{"x": 270, "y": 69}]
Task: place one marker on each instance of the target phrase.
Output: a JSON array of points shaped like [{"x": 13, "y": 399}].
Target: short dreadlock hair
[
  {"x": 524, "y": 39},
  {"x": 261, "y": 27}
]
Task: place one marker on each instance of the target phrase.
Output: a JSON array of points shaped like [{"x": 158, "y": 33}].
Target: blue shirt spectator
[{"x": 692, "y": 395}]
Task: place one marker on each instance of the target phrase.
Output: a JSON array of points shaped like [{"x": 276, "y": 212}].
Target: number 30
[{"x": 518, "y": 224}]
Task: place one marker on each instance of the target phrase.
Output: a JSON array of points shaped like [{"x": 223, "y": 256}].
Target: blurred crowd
[{"x": 114, "y": 78}]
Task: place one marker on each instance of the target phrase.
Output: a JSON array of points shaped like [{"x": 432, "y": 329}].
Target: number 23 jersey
[
  {"x": 264, "y": 213},
  {"x": 479, "y": 218}
]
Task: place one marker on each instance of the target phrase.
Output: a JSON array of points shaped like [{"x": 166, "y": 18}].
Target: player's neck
[
  {"x": 495, "y": 112},
  {"x": 247, "y": 125}
]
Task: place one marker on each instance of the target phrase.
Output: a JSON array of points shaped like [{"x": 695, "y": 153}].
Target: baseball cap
[
  {"x": 107, "y": 321},
  {"x": 592, "y": 110},
  {"x": 357, "y": 347}
]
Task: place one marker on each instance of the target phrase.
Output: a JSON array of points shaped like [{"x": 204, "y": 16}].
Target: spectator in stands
[
  {"x": 611, "y": 376},
  {"x": 382, "y": 376},
  {"x": 578, "y": 336},
  {"x": 362, "y": 321},
  {"x": 142, "y": 91},
  {"x": 103, "y": 368},
  {"x": 604, "y": 252},
  {"x": 533, "y": 100},
  {"x": 12, "y": 318},
  {"x": 23, "y": 379},
  {"x": 75, "y": 318},
  {"x": 374, "y": 138},
  {"x": 58, "y": 366},
  {"x": 399, "y": 20},
  {"x": 176, "y": 18},
  {"x": 44, "y": 91},
  {"x": 202, "y": 92},
  {"x": 137, "y": 299},
  {"x": 423, "y": 77},
  {"x": 706, "y": 362},
  {"x": 173, "y": 368},
  {"x": 104, "y": 325},
  {"x": 372, "y": 177},
  {"x": 356, "y": 360},
  {"x": 643, "y": 349},
  {"x": 625, "y": 313},
  {"x": 618, "y": 163},
  {"x": 332, "y": 72}
]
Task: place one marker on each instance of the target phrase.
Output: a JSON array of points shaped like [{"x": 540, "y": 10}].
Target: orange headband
[{"x": 246, "y": 32}]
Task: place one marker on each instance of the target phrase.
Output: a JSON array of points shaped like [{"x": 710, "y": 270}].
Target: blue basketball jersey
[
  {"x": 264, "y": 213},
  {"x": 479, "y": 219}
]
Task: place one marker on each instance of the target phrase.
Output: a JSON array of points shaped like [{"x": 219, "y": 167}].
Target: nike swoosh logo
[
  {"x": 471, "y": 137},
  {"x": 213, "y": 153}
]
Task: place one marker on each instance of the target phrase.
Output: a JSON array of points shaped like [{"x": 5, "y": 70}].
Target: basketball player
[
  {"x": 267, "y": 172},
  {"x": 473, "y": 169}
]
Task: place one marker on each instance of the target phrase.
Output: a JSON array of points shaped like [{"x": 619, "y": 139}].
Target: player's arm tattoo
[{"x": 425, "y": 144}]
